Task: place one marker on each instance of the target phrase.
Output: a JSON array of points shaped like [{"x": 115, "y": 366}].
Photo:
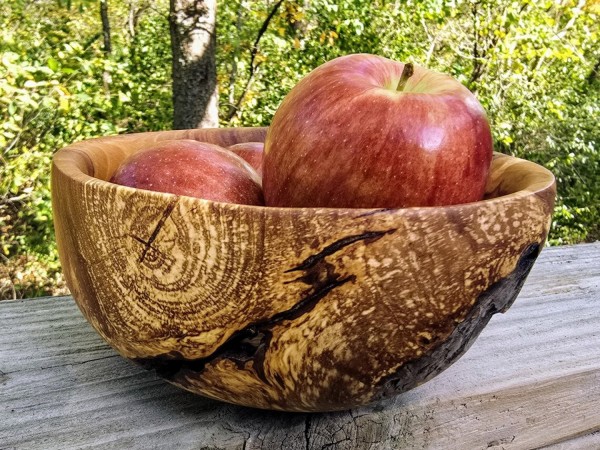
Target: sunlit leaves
[{"x": 51, "y": 94}]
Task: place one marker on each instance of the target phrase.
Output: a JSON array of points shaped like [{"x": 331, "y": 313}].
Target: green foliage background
[{"x": 533, "y": 64}]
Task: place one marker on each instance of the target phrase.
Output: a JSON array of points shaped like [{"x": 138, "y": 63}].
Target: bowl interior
[{"x": 100, "y": 158}]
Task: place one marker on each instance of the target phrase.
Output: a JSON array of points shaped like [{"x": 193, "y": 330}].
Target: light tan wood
[
  {"x": 283, "y": 308},
  {"x": 530, "y": 381}
]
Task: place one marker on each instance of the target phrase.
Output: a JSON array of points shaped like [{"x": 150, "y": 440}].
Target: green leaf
[{"x": 53, "y": 64}]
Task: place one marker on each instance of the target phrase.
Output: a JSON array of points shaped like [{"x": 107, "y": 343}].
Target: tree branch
[
  {"x": 477, "y": 54},
  {"x": 105, "y": 26},
  {"x": 233, "y": 109},
  {"x": 433, "y": 40},
  {"x": 107, "y": 44},
  {"x": 133, "y": 17},
  {"x": 261, "y": 32},
  {"x": 234, "y": 66}
]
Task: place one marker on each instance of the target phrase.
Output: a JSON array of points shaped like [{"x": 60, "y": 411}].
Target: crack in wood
[
  {"x": 252, "y": 342},
  {"x": 375, "y": 212},
  {"x": 369, "y": 236},
  {"x": 249, "y": 343},
  {"x": 502, "y": 441},
  {"x": 148, "y": 244}
]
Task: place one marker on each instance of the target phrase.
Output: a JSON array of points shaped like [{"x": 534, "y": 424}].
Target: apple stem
[{"x": 407, "y": 72}]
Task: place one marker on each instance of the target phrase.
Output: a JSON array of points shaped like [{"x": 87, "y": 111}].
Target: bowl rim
[{"x": 64, "y": 161}]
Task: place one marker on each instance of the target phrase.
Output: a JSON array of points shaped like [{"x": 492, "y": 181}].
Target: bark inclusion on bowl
[
  {"x": 250, "y": 344},
  {"x": 497, "y": 298}
]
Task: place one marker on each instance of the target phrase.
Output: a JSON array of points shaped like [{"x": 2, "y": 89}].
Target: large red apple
[
  {"x": 251, "y": 152},
  {"x": 192, "y": 168},
  {"x": 363, "y": 131}
]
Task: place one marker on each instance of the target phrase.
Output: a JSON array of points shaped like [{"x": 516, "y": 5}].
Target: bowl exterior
[{"x": 289, "y": 309}]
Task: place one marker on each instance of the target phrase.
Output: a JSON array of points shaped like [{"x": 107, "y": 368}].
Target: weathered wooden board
[{"x": 532, "y": 380}]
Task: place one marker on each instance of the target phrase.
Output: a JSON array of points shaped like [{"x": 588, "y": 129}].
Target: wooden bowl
[{"x": 296, "y": 309}]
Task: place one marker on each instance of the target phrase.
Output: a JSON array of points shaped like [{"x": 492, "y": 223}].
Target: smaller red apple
[
  {"x": 192, "y": 168},
  {"x": 251, "y": 152}
]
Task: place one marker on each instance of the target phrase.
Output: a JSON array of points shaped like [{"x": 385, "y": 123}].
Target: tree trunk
[{"x": 193, "y": 42}]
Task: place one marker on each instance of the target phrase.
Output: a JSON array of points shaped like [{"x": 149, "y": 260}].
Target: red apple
[
  {"x": 251, "y": 152},
  {"x": 192, "y": 168},
  {"x": 363, "y": 131}
]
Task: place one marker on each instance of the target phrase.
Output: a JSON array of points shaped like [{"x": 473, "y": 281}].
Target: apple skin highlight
[{"x": 345, "y": 137}]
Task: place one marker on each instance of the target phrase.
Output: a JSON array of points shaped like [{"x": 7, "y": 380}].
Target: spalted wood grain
[
  {"x": 531, "y": 380},
  {"x": 292, "y": 309}
]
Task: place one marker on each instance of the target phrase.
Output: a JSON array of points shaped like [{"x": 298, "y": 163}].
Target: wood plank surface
[{"x": 531, "y": 380}]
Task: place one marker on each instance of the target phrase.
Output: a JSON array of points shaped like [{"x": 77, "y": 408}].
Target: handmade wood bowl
[{"x": 297, "y": 309}]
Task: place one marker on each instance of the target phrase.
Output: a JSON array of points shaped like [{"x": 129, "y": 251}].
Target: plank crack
[
  {"x": 307, "y": 424},
  {"x": 78, "y": 363},
  {"x": 507, "y": 440}
]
